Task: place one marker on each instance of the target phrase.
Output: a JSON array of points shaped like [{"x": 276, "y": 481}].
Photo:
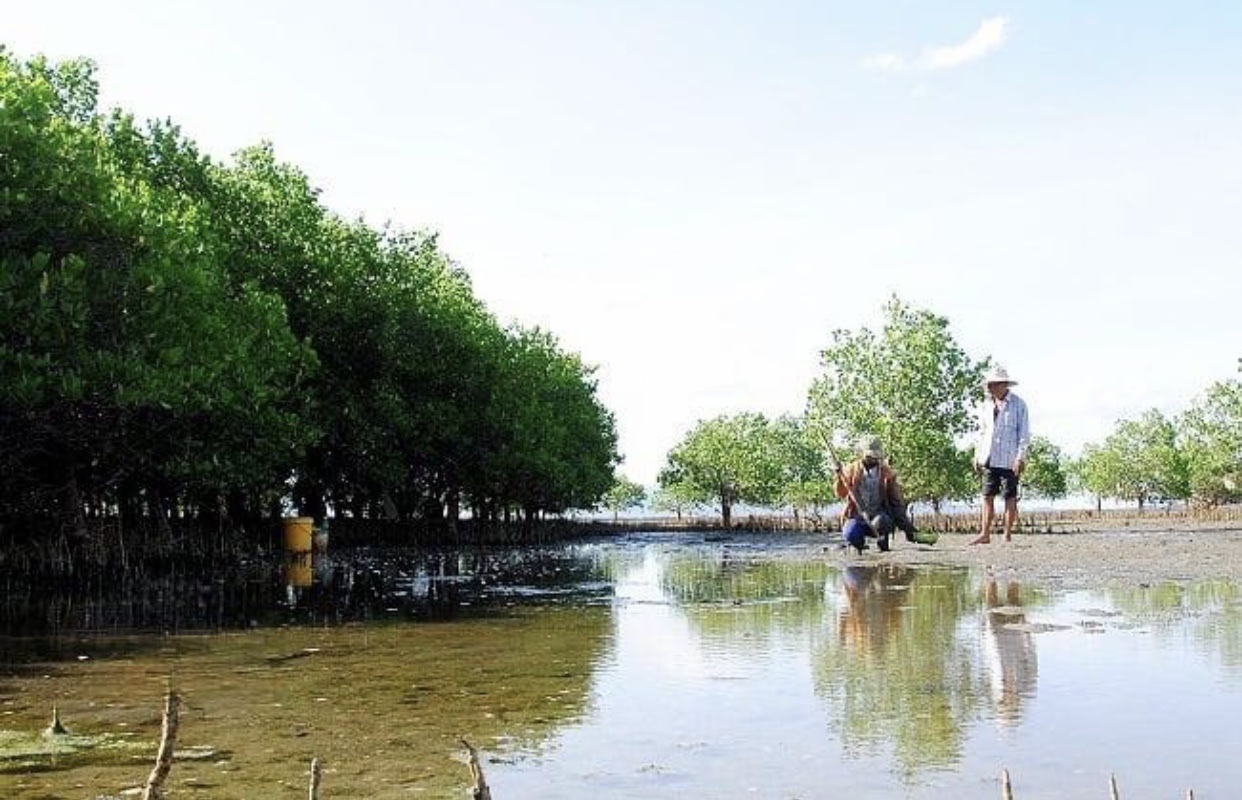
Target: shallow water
[{"x": 646, "y": 667}]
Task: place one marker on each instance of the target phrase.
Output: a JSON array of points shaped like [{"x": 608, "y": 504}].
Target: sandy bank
[{"x": 1127, "y": 555}]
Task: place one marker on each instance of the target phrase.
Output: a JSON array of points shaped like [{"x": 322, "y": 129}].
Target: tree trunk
[
  {"x": 71, "y": 505},
  {"x": 235, "y": 507},
  {"x": 454, "y": 511},
  {"x": 159, "y": 509}
]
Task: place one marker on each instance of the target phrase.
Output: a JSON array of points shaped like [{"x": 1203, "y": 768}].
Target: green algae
[{"x": 23, "y": 751}]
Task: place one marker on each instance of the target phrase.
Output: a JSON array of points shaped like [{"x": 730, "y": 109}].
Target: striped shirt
[
  {"x": 1004, "y": 432},
  {"x": 870, "y": 492}
]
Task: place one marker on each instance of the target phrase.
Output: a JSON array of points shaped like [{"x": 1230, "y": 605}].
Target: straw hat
[
  {"x": 870, "y": 446},
  {"x": 999, "y": 374}
]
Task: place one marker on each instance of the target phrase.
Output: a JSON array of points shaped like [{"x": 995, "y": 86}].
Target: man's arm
[
  {"x": 842, "y": 488},
  {"x": 1024, "y": 438}
]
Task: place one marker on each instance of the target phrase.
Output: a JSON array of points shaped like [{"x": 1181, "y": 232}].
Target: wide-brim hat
[
  {"x": 870, "y": 446},
  {"x": 998, "y": 375}
]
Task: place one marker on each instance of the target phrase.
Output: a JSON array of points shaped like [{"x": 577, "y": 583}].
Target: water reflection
[
  {"x": 1009, "y": 650},
  {"x": 1211, "y": 609},
  {"x": 649, "y": 666},
  {"x": 899, "y": 677},
  {"x": 357, "y": 586}
]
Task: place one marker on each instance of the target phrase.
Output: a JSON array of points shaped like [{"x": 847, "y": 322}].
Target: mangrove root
[{"x": 479, "y": 791}]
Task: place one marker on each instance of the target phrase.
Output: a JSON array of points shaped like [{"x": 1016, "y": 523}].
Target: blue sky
[{"x": 694, "y": 195}]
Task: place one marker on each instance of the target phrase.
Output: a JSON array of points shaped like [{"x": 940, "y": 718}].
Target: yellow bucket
[
  {"x": 297, "y": 534},
  {"x": 298, "y": 571}
]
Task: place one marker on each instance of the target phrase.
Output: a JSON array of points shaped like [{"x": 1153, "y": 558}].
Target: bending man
[{"x": 872, "y": 494}]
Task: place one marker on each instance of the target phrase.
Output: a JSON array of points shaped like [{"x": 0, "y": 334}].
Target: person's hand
[
  {"x": 1019, "y": 466},
  {"x": 978, "y": 468}
]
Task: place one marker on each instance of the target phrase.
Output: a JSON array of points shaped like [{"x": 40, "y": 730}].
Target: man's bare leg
[
  {"x": 985, "y": 521},
  {"x": 1011, "y": 516}
]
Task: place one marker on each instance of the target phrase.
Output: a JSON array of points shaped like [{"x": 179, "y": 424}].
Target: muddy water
[{"x": 646, "y": 667}]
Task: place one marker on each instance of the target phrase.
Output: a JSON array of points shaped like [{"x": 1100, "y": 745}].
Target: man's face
[
  {"x": 869, "y": 461},
  {"x": 998, "y": 390}
]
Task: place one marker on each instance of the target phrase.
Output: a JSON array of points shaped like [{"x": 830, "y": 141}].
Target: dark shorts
[{"x": 1000, "y": 481}]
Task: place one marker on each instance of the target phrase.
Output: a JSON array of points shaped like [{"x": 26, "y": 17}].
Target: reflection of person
[
  {"x": 872, "y": 493},
  {"x": 1015, "y": 668},
  {"x": 1000, "y": 453},
  {"x": 875, "y": 598}
]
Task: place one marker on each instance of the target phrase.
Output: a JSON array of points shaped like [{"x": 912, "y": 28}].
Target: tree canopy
[
  {"x": 623, "y": 495},
  {"x": 1210, "y": 434},
  {"x": 1045, "y": 470},
  {"x": 728, "y": 459},
  {"x": 182, "y": 336},
  {"x": 1139, "y": 462},
  {"x": 912, "y": 385}
]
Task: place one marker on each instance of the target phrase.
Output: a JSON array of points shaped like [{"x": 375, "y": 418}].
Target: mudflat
[{"x": 1129, "y": 553}]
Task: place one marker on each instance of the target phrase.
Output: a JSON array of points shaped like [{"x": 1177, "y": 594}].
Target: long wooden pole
[
  {"x": 316, "y": 774},
  {"x": 1006, "y": 787},
  {"x": 849, "y": 490},
  {"x": 168, "y": 739}
]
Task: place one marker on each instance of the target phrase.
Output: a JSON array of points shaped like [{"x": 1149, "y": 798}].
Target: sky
[{"x": 694, "y": 195}]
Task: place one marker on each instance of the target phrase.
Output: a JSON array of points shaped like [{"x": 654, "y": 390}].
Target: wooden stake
[
  {"x": 316, "y": 774},
  {"x": 168, "y": 739},
  {"x": 56, "y": 728},
  {"x": 479, "y": 791},
  {"x": 1006, "y": 788},
  {"x": 1112, "y": 787}
]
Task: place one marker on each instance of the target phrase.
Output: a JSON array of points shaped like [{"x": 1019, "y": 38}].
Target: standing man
[{"x": 1000, "y": 453}]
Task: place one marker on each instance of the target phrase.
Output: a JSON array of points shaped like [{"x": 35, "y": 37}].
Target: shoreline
[{"x": 1177, "y": 552}]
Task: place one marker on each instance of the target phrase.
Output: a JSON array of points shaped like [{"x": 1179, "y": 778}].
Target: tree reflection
[
  {"x": 1214, "y": 609},
  {"x": 729, "y": 595},
  {"x": 897, "y": 672}
]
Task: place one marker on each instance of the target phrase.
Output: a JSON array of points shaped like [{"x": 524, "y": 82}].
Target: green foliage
[
  {"x": 673, "y": 497},
  {"x": 1094, "y": 471},
  {"x": 177, "y": 333},
  {"x": 1139, "y": 462},
  {"x": 124, "y": 359},
  {"x": 552, "y": 444},
  {"x": 911, "y": 385},
  {"x": 1045, "y": 474},
  {"x": 804, "y": 479},
  {"x": 1210, "y": 433},
  {"x": 624, "y": 494},
  {"x": 728, "y": 459}
]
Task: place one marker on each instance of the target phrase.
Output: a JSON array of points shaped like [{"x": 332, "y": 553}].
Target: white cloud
[
  {"x": 888, "y": 62},
  {"x": 990, "y": 36}
]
